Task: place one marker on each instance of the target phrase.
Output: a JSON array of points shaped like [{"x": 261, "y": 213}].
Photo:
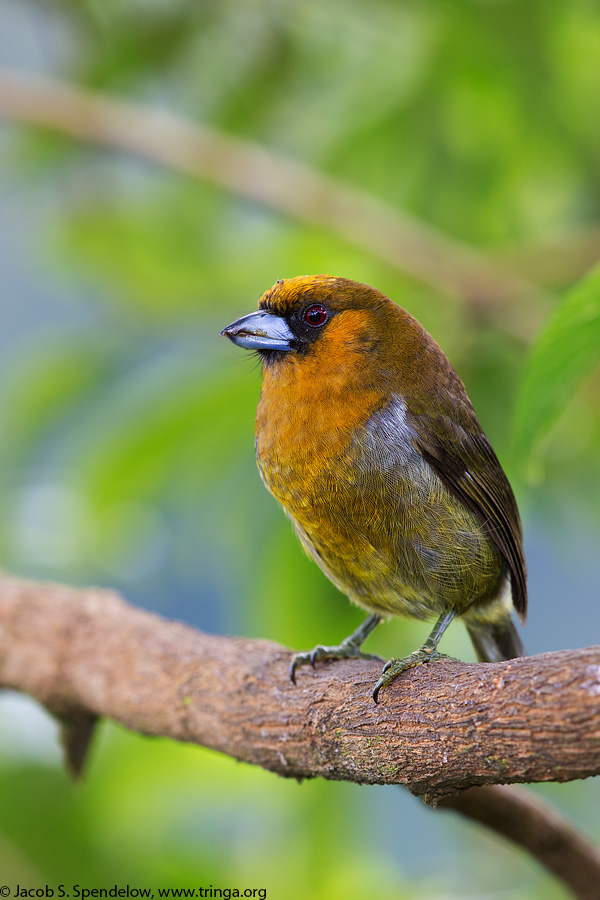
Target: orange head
[{"x": 349, "y": 334}]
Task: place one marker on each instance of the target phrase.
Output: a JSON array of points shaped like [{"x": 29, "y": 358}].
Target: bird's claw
[
  {"x": 395, "y": 667},
  {"x": 321, "y": 653}
]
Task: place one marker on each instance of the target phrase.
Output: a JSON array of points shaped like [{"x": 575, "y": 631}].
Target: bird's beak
[{"x": 260, "y": 331}]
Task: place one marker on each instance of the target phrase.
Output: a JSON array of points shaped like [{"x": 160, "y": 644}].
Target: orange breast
[
  {"x": 339, "y": 456},
  {"x": 310, "y": 408}
]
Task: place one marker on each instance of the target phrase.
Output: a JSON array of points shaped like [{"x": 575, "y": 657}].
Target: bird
[{"x": 367, "y": 438}]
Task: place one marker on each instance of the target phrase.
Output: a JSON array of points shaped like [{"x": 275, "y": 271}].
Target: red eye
[{"x": 315, "y": 315}]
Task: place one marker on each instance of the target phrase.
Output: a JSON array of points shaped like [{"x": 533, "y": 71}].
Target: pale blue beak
[{"x": 260, "y": 331}]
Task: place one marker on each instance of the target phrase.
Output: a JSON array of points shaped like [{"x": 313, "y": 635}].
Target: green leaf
[{"x": 565, "y": 352}]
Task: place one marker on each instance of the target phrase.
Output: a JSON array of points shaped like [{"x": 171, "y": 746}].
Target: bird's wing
[{"x": 464, "y": 459}]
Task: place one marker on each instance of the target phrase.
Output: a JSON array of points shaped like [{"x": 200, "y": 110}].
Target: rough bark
[{"x": 439, "y": 729}]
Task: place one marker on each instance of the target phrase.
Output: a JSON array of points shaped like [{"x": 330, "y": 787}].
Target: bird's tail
[{"x": 495, "y": 641}]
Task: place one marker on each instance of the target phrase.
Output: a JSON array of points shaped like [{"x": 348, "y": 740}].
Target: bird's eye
[{"x": 315, "y": 315}]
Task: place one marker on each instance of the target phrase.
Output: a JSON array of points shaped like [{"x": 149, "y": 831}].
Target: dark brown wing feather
[{"x": 464, "y": 459}]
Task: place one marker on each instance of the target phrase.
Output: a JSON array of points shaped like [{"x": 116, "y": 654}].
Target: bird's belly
[{"x": 388, "y": 533}]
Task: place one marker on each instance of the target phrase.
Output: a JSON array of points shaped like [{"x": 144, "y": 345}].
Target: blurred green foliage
[
  {"x": 566, "y": 351},
  {"x": 126, "y": 451}
]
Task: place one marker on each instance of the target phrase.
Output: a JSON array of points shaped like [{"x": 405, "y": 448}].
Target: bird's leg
[
  {"x": 348, "y": 649},
  {"x": 426, "y": 653}
]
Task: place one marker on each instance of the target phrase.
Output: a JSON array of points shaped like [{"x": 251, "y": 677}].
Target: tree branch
[
  {"x": 530, "y": 823},
  {"x": 438, "y": 730},
  {"x": 555, "y": 261},
  {"x": 280, "y": 183}
]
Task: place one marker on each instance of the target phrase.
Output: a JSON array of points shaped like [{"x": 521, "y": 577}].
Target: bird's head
[
  {"x": 315, "y": 314},
  {"x": 324, "y": 323}
]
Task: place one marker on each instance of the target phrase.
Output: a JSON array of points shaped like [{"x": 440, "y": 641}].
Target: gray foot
[
  {"x": 345, "y": 650},
  {"x": 395, "y": 667}
]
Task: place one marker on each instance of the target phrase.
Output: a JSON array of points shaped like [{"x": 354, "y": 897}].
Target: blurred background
[{"x": 471, "y": 131}]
